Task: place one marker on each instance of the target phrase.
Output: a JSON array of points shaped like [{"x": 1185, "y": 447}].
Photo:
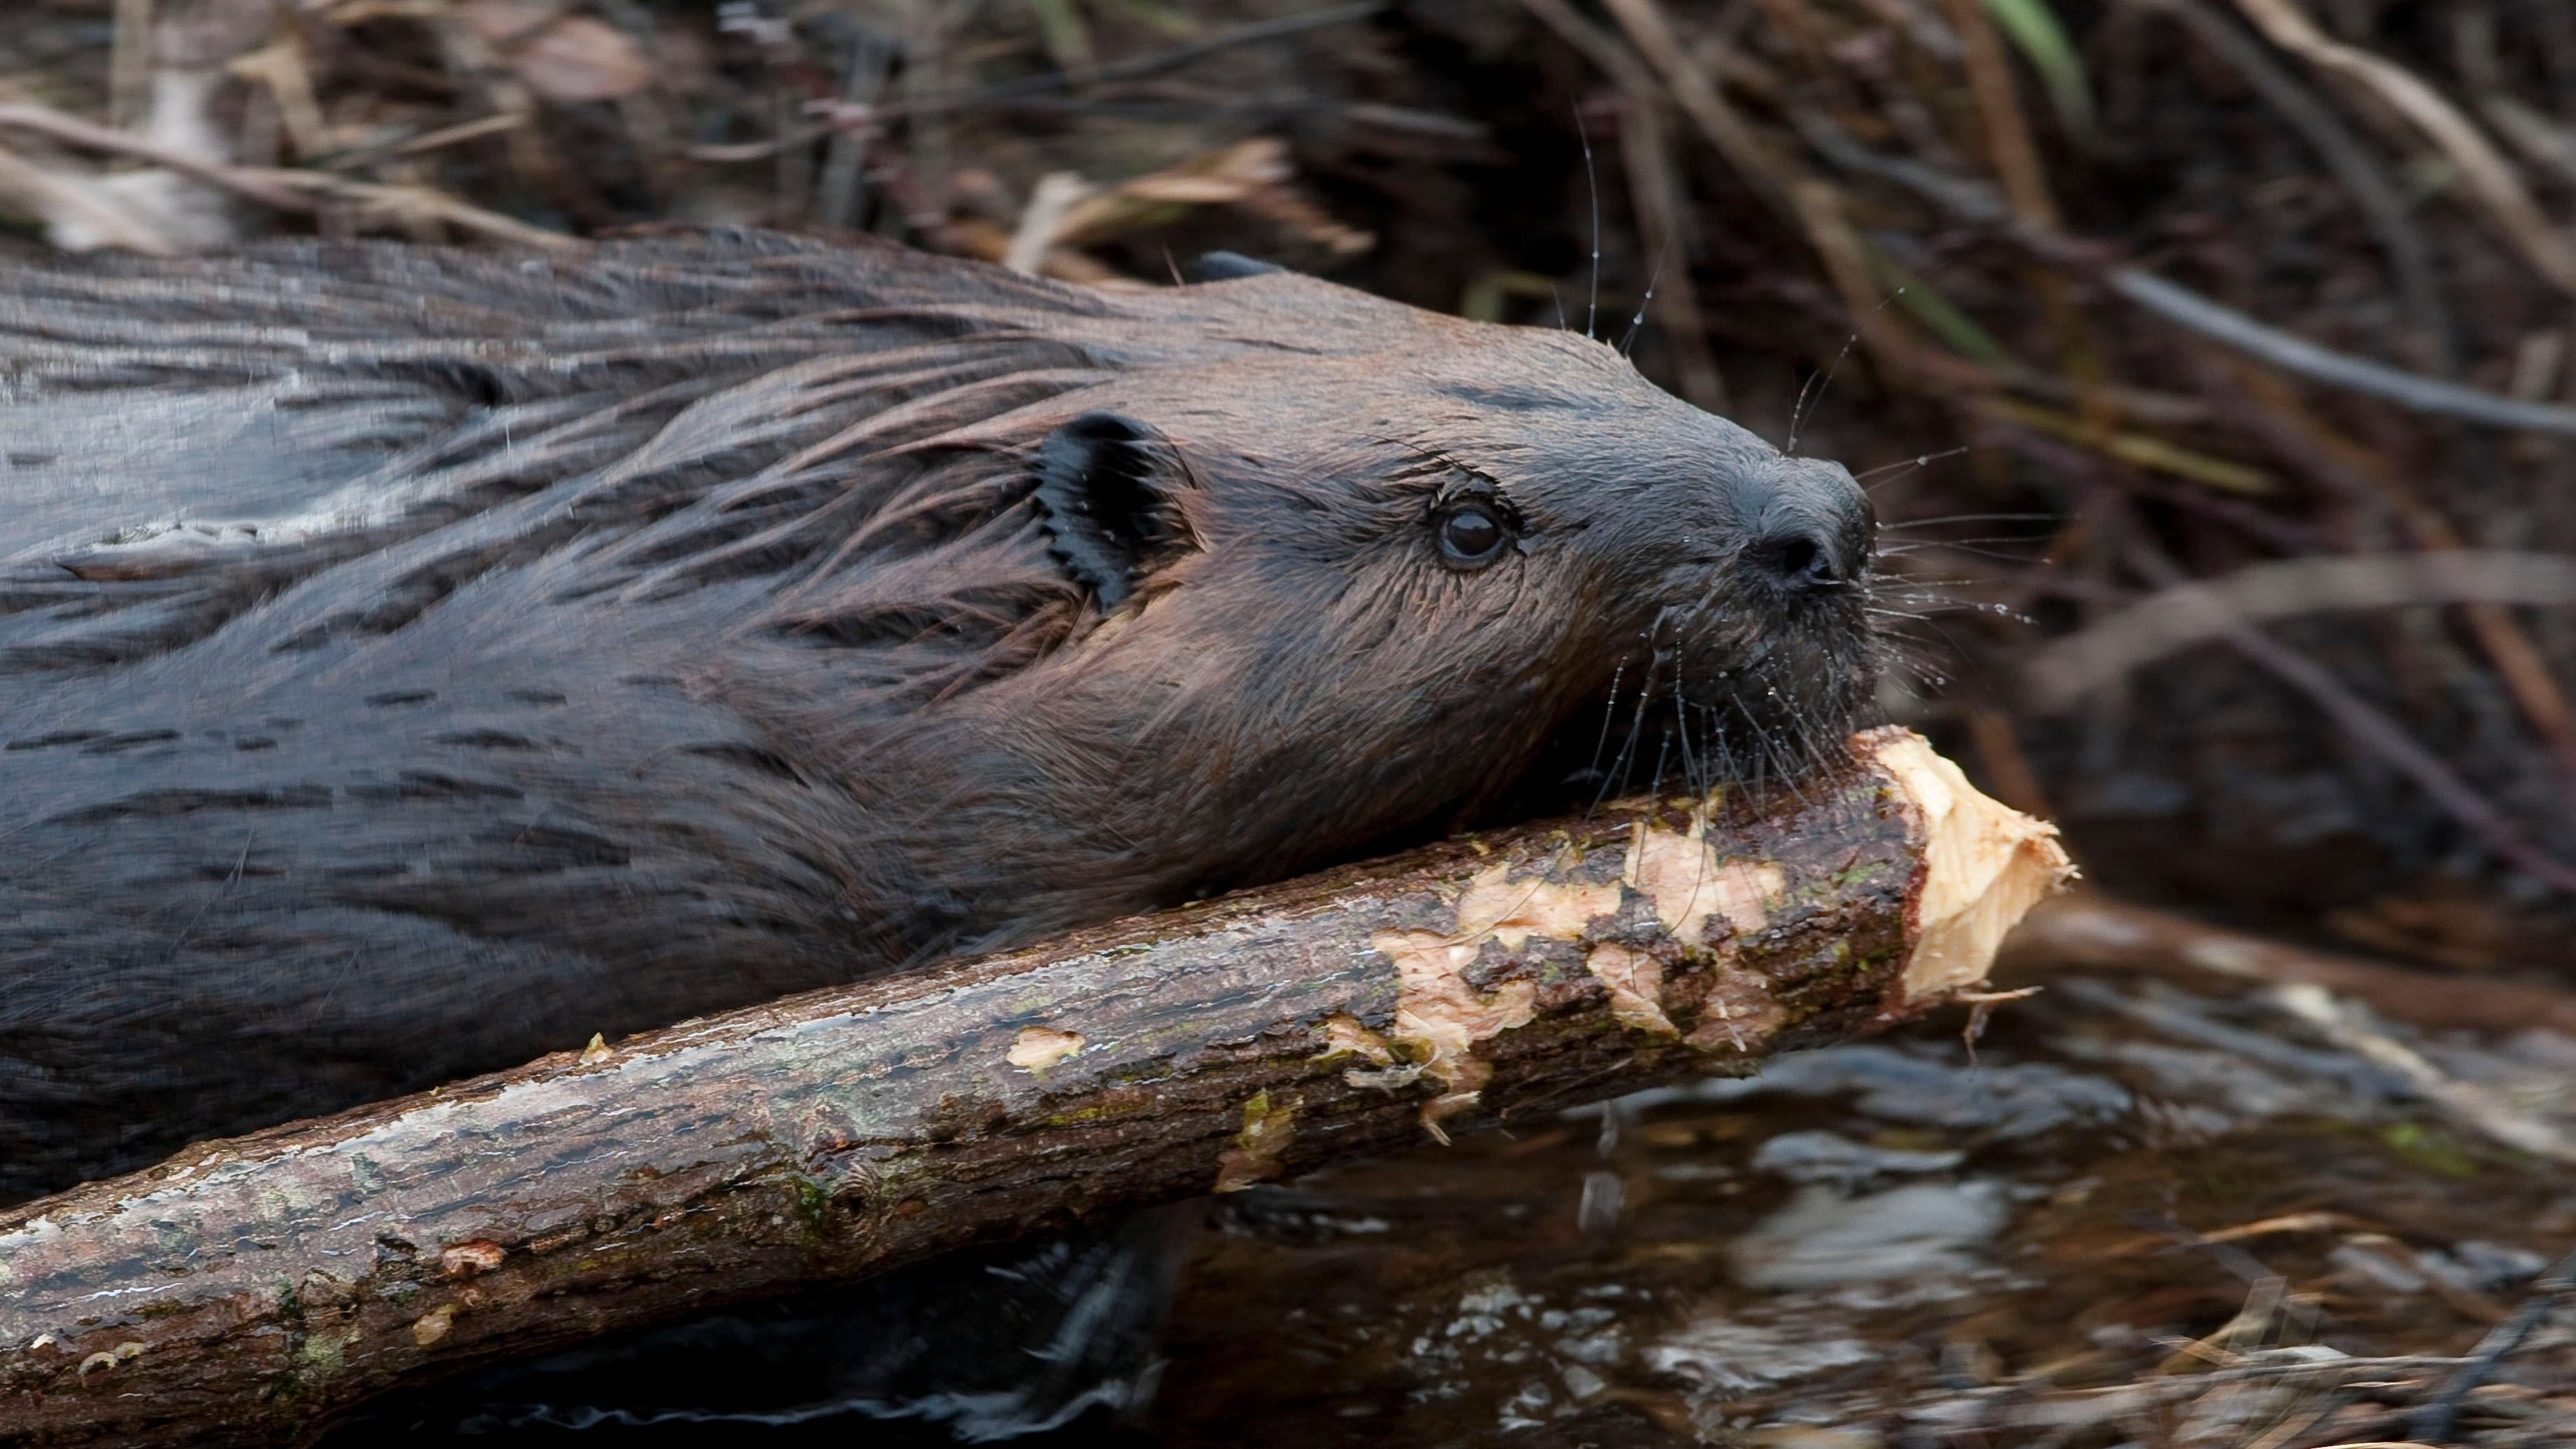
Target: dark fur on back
[{"x": 411, "y": 661}]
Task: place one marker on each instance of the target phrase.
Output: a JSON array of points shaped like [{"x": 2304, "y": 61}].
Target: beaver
[{"x": 414, "y": 661}]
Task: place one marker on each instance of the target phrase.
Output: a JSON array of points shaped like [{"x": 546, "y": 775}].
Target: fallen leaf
[{"x": 582, "y": 59}]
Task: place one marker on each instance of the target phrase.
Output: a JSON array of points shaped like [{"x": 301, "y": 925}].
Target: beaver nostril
[
  {"x": 1797, "y": 557},
  {"x": 1805, "y": 561}
]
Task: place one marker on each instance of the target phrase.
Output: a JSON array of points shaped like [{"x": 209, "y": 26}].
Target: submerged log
[{"x": 248, "y": 1291}]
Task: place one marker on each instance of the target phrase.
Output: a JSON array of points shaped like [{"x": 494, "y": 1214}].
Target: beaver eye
[{"x": 1471, "y": 536}]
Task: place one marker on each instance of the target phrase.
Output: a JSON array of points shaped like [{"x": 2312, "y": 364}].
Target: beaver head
[
  {"x": 411, "y": 661},
  {"x": 1366, "y": 579}
]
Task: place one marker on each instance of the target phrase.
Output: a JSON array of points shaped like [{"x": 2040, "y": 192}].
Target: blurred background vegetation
[
  {"x": 2106, "y": 296},
  {"x": 2209, "y": 362}
]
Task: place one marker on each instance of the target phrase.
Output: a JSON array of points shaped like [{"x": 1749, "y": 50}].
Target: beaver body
[{"x": 412, "y": 662}]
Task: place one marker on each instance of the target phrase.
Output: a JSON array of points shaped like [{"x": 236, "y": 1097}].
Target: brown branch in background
[
  {"x": 1968, "y": 200},
  {"x": 129, "y": 62},
  {"x": 2015, "y": 155},
  {"x": 2364, "y": 723},
  {"x": 1700, "y": 100},
  {"x": 2201, "y": 610},
  {"x": 2524, "y": 672},
  {"x": 2498, "y": 192},
  {"x": 840, "y": 188},
  {"x": 1656, "y": 190},
  {"x": 2369, "y": 727},
  {"x": 1664, "y": 218},
  {"x": 73, "y": 131},
  {"x": 2401, "y": 242},
  {"x": 2367, "y": 482},
  {"x": 283, "y": 188},
  {"x": 279, "y": 69},
  {"x": 321, "y": 188},
  {"x": 2401, "y": 749},
  {"x": 427, "y": 141},
  {"x": 841, "y": 1133},
  {"x": 1901, "y": 361},
  {"x": 2542, "y": 141},
  {"x": 71, "y": 198},
  {"x": 2141, "y": 450},
  {"x": 2089, "y": 930}
]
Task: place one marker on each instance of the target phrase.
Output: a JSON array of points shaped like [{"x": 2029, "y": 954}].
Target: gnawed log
[{"x": 247, "y": 1290}]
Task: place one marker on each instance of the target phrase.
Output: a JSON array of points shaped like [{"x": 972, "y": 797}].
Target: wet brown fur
[{"x": 414, "y": 661}]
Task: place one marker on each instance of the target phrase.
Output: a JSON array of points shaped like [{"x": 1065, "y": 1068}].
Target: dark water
[{"x": 2141, "y": 1215}]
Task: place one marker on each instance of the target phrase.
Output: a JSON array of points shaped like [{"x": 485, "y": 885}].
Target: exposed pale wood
[{"x": 248, "y": 1290}]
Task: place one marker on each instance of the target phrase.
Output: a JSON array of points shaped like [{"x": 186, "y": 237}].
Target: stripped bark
[{"x": 247, "y": 1291}]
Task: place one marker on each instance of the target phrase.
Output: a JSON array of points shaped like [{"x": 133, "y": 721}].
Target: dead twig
[
  {"x": 129, "y": 62},
  {"x": 1655, "y": 189},
  {"x": 2202, "y": 610},
  {"x": 2387, "y": 739},
  {"x": 427, "y": 141},
  {"x": 320, "y": 188},
  {"x": 53, "y": 196},
  {"x": 2401, "y": 242},
  {"x": 2375, "y": 731},
  {"x": 1972, "y": 201},
  {"x": 2140, "y": 450},
  {"x": 2432, "y": 1423},
  {"x": 1653, "y": 36},
  {"x": 2368, "y": 484},
  {"x": 285, "y": 189},
  {"x": 1134, "y": 68},
  {"x": 2015, "y": 157},
  {"x": 87, "y": 135},
  {"x": 2499, "y": 192}
]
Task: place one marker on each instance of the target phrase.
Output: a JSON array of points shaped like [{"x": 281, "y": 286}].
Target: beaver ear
[{"x": 1108, "y": 493}]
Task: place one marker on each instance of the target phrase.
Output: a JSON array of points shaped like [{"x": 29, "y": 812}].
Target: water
[
  {"x": 1885, "y": 1243},
  {"x": 2140, "y": 1215}
]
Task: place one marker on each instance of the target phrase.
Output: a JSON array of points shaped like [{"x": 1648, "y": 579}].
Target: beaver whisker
[
  {"x": 1924, "y": 460},
  {"x": 1621, "y": 764},
  {"x": 1919, "y": 544},
  {"x": 1798, "y": 409},
  {"x": 1591, "y": 184},
  {"x": 1609, "y": 710},
  {"x": 1792, "y": 763},
  {"x": 1939, "y": 520},
  {"x": 1654, "y": 275},
  {"x": 1691, "y": 774}
]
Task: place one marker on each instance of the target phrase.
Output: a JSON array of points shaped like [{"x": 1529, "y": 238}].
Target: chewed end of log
[
  {"x": 1985, "y": 865},
  {"x": 1981, "y": 866}
]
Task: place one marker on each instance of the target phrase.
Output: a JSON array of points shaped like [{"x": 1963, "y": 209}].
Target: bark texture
[{"x": 247, "y": 1291}]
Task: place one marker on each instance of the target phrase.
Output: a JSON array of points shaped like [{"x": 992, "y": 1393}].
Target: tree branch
[{"x": 246, "y": 1291}]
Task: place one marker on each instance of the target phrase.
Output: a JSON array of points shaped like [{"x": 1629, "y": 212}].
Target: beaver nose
[
  {"x": 1807, "y": 560},
  {"x": 1816, "y": 530}
]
